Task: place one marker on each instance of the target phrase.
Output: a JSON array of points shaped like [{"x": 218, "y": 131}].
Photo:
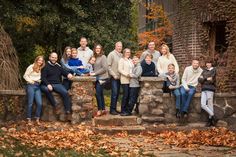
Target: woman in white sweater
[
  {"x": 166, "y": 59},
  {"x": 33, "y": 78},
  {"x": 162, "y": 64},
  {"x": 125, "y": 67}
]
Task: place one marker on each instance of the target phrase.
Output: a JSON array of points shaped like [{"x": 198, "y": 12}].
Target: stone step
[
  {"x": 135, "y": 129},
  {"x": 116, "y": 120}
]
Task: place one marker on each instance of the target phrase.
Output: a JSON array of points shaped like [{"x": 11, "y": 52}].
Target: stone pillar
[
  {"x": 82, "y": 97},
  {"x": 151, "y": 107}
]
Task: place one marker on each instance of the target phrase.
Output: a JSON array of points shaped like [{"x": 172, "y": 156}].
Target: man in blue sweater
[{"x": 51, "y": 81}]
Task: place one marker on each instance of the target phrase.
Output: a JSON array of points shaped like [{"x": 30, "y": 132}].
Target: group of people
[{"x": 119, "y": 69}]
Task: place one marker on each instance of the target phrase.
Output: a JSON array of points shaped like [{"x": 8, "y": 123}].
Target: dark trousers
[
  {"x": 60, "y": 89},
  {"x": 100, "y": 96},
  {"x": 67, "y": 83},
  {"x": 115, "y": 91},
  {"x": 125, "y": 98},
  {"x": 133, "y": 98}
]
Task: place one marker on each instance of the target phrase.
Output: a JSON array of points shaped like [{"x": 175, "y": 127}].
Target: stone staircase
[{"x": 111, "y": 124}]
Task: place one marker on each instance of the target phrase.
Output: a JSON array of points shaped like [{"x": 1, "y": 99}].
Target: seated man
[
  {"x": 51, "y": 81},
  {"x": 189, "y": 83}
]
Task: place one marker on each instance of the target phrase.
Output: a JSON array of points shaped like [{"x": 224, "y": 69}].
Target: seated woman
[
  {"x": 64, "y": 63},
  {"x": 33, "y": 78},
  {"x": 148, "y": 67},
  {"x": 76, "y": 65}
]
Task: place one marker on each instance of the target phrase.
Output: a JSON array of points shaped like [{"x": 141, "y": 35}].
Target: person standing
[
  {"x": 151, "y": 50},
  {"x": 125, "y": 67},
  {"x": 134, "y": 86},
  {"x": 112, "y": 61},
  {"x": 101, "y": 73},
  {"x": 208, "y": 82},
  {"x": 33, "y": 78},
  {"x": 51, "y": 81},
  {"x": 189, "y": 83},
  {"x": 84, "y": 52}
]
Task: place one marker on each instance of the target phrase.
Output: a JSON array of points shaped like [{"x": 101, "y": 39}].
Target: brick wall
[{"x": 188, "y": 42}]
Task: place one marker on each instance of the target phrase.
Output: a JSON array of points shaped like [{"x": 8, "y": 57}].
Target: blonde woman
[
  {"x": 33, "y": 78},
  {"x": 166, "y": 59},
  {"x": 125, "y": 68},
  {"x": 162, "y": 65}
]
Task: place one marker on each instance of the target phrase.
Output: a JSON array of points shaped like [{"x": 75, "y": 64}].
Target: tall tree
[
  {"x": 160, "y": 27},
  {"x": 39, "y": 26}
]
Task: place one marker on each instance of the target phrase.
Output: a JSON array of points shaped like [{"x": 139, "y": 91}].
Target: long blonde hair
[
  {"x": 37, "y": 68},
  {"x": 64, "y": 56},
  {"x": 167, "y": 50}
]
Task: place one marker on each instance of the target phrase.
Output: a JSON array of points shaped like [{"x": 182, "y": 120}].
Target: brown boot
[{"x": 68, "y": 117}]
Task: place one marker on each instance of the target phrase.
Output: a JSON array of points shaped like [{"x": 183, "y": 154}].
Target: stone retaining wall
[
  {"x": 13, "y": 103},
  {"x": 156, "y": 107}
]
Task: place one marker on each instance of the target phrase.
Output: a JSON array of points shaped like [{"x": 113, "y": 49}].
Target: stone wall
[
  {"x": 82, "y": 95},
  {"x": 156, "y": 107},
  {"x": 13, "y": 103}
]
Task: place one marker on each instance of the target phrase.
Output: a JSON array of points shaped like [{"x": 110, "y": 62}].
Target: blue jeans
[
  {"x": 133, "y": 98},
  {"x": 34, "y": 93},
  {"x": 60, "y": 89},
  {"x": 177, "y": 95},
  {"x": 81, "y": 71},
  {"x": 100, "y": 96},
  {"x": 115, "y": 91},
  {"x": 186, "y": 97},
  {"x": 125, "y": 98}
]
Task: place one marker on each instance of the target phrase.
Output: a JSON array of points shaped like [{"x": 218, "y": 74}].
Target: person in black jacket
[
  {"x": 51, "y": 76},
  {"x": 148, "y": 67},
  {"x": 208, "y": 81}
]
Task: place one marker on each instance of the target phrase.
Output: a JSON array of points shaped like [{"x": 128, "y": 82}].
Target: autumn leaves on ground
[{"x": 63, "y": 139}]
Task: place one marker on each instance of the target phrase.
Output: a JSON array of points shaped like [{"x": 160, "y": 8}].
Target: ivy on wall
[{"x": 200, "y": 13}]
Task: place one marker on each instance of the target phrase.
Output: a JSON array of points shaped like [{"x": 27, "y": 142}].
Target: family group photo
[{"x": 118, "y": 78}]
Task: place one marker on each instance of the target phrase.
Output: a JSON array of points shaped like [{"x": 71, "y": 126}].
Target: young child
[
  {"x": 76, "y": 64},
  {"x": 90, "y": 64},
  {"x": 134, "y": 85},
  {"x": 172, "y": 82},
  {"x": 148, "y": 67},
  {"x": 208, "y": 81}
]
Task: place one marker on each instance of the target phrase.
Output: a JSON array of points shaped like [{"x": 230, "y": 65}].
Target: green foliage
[{"x": 54, "y": 24}]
